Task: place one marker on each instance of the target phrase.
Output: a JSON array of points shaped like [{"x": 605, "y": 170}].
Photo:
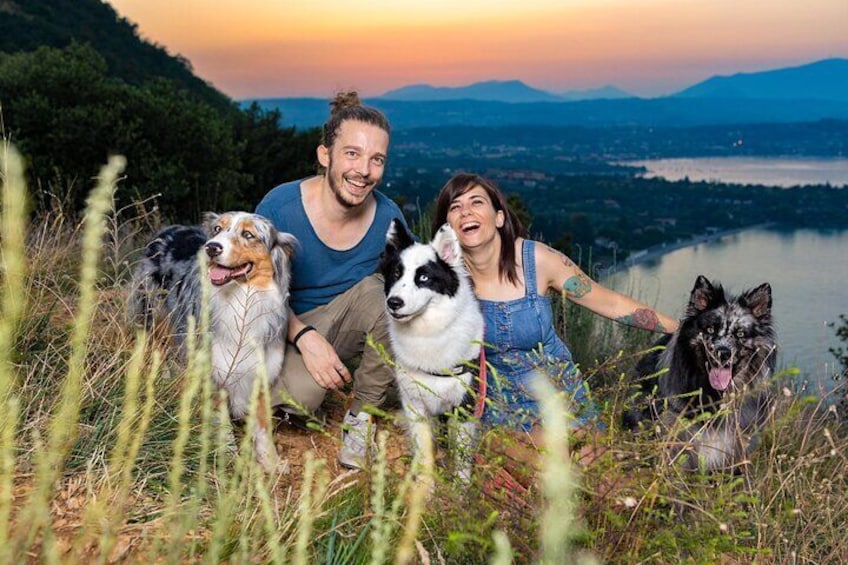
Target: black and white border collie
[
  {"x": 436, "y": 331},
  {"x": 249, "y": 269}
]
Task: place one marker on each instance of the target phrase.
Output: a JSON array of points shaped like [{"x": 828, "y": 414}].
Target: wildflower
[{"x": 630, "y": 502}]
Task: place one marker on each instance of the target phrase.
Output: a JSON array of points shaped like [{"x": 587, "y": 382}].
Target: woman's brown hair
[{"x": 512, "y": 228}]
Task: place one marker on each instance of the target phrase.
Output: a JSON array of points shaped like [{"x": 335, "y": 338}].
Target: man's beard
[{"x": 337, "y": 189}]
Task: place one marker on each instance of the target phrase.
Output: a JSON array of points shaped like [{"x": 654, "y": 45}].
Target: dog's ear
[
  {"x": 703, "y": 294},
  {"x": 397, "y": 236},
  {"x": 758, "y": 300},
  {"x": 447, "y": 246},
  {"x": 286, "y": 242},
  {"x": 209, "y": 221},
  {"x": 282, "y": 250}
]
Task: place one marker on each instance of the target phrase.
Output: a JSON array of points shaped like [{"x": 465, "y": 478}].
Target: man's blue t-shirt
[{"x": 320, "y": 273}]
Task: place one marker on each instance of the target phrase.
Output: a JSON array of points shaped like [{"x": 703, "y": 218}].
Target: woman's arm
[{"x": 558, "y": 272}]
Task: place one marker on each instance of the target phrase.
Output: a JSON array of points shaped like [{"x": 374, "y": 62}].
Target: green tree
[
  {"x": 520, "y": 209},
  {"x": 271, "y": 154},
  {"x": 67, "y": 115},
  {"x": 581, "y": 228}
]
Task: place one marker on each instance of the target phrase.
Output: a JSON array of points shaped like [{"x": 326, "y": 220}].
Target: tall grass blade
[
  {"x": 314, "y": 486},
  {"x": 559, "y": 482},
  {"x": 63, "y": 427},
  {"x": 13, "y": 243},
  {"x": 423, "y": 466}
]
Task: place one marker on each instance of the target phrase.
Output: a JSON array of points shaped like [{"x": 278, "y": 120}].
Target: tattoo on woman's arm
[
  {"x": 566, "y": 261},
  {"x": 644, "y": 318},
  {"x": 578, "y": 286}
]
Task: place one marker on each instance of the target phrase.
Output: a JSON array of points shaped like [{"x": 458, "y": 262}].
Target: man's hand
[{"x": 322, "y": 361}]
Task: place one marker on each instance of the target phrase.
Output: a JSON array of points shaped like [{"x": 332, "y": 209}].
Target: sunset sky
[{"x": 265, "y": 48}]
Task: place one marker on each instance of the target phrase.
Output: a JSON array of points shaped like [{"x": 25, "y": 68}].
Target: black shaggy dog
[{"x": 709, "y": 387}]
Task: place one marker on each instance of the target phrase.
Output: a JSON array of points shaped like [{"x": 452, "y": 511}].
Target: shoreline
[{"x": 656, "y": 251}]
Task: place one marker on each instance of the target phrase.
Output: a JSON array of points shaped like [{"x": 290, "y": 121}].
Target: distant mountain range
[
  {"x": 493, "y": 90},
  {"x": 805, "y": 93},
  {"x": 607, "y": 92},
  {"x": 822, "y": 80},
  {"x": 513, "y": 91}
]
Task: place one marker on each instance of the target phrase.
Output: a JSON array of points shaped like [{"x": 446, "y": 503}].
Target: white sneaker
[{"x": 357, "y": 437}]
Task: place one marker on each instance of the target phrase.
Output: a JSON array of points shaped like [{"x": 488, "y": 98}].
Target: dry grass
[{"x": 110, "y": 452}]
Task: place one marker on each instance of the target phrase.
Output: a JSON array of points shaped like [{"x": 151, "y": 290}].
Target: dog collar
[
  {"x": 464, "y": 367},
  {"x": 480, "y": 374}
]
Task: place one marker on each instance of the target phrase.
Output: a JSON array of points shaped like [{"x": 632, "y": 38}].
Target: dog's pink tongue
[
  {"x": 720, "y": 377},
  {"x": 219, "y": 275}
]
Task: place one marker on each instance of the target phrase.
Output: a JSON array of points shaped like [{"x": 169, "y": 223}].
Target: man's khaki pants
[{"x": 344, "y": 322}]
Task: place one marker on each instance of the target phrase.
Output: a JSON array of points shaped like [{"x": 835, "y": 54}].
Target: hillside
[
  {"x": 77, "y": 84},
  {"x": 26, "y": 25},
  {"x": 821, "y": 80}
]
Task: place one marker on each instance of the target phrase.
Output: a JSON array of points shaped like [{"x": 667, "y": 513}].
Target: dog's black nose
[
  {"x": 394, "y": 303},
  {"x": 724, "y": 353},
  {"x": 213, "y": 249}
]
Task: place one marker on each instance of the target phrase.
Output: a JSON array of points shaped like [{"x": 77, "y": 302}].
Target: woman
[{"x": 512, "y": 276}]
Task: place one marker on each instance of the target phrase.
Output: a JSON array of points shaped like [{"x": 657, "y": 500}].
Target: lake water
[
  {"x": 807, "y": 270},
  {"x": 750, "y": 170}
]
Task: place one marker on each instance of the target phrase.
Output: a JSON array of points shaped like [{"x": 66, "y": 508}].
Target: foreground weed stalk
[
  {"x": 313, "y": 489},
  {"x": 13, "y": 227},
  {"x": 63, "y": 428},
  {"x": 229, "y": 488},
  {"x": 107, "y": 512},
  {"x": 382, "y": 526},
  {"x": 558, "y": 478},
  {"x": 197, "y": 372},
  {"x": 423, "y": 466}
]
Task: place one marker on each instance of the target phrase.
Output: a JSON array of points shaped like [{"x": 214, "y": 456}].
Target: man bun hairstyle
[{"x": 347, "y": 106}]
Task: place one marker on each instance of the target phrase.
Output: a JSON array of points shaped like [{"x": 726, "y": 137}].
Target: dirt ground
[
  {"x": 68, "y": 506},
  {"x": 293, "y": 440}
]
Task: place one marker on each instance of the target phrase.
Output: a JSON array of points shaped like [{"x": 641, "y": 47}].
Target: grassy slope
[{"x": 109, "y": 452}]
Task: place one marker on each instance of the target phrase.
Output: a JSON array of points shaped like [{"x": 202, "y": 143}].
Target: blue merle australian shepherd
[
  {"x": 249, "y": 271},
  {"x": 709, "y": 387}
]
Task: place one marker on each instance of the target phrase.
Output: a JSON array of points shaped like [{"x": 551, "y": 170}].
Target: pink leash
[{"x": 481, "y": 387}]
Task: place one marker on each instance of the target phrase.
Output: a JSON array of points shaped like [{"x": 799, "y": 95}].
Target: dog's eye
[
  {"x": 422, "y": 278},
  {"x": 216, "y": 230},
  {"x": 710, "y": 330},
  {"x": 740, "y": 333},
  {"x": 247, "y": 235}
]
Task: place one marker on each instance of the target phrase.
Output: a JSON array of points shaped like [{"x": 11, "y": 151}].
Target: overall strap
[{"x": 528, "y": 256}]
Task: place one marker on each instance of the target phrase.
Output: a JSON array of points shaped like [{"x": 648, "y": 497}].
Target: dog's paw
[{"x": 272, "y": 464}]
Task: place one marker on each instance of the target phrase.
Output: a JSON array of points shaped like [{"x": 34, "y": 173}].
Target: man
[{"x": 340, "y": 221}]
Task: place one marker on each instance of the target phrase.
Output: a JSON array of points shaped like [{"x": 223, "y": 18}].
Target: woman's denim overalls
[{"x": 522, "y": 345}]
